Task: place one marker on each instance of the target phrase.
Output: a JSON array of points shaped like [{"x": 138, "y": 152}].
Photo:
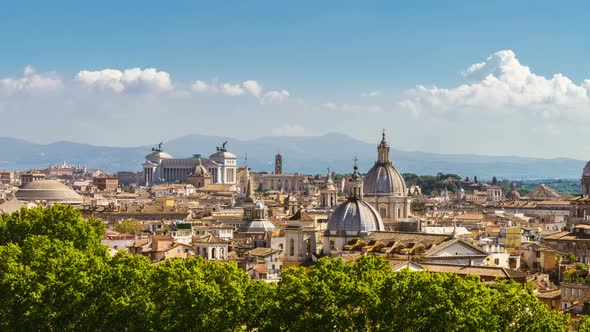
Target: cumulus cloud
[
  {"x": 232, "y": 89},
  {"x": 289, "y": 130},
  {"x": 253, "y": 88},
  {"x": 30, "y": 82},
  {"x": 275, "y": 97},
  {"x": 502, "y": 82},
  {"x": 200, "y": 86},
  {"x": 249, "y": 87},
  {"x": 134, "y": 79}
]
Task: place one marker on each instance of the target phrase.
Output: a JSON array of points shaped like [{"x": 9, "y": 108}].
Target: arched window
[
  {"x": 213, "y": 253},
  {"x": 292, "y": 247}
]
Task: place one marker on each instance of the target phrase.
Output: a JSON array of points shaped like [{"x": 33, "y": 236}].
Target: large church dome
[
  {"x": 50, "y": 191},
  {"x": 354, "y": 216},
  {"x": 383, "y": 179}
]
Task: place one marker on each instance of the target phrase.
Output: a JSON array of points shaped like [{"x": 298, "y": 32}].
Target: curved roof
[
  {"x": 384, "y": 180},
  {"x": 257, "y": 226},
  {"x": 356, "y": 216},
  {"x": 259, "y": 206},
  {"x": 48, "y": 190}
]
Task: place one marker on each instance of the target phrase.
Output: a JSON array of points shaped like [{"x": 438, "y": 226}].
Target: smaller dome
[
  {"x": 257, "y": 226},
  {"x": 259, "y": 206},
  {"x": 353, "y": 217}
]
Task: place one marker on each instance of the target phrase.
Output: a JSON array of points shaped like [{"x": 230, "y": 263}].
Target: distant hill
[{"x": 305, "y": 154}]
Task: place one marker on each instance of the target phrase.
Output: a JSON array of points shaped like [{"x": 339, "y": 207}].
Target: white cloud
[
  {"x": 500, "y": 83},
  {"x": 128, "y": 80},
  {"x": 289, "y": 130},
  {"x": 232, "y": 89},
  {"x": 31, "y": 81},
  {"x": 253, "y": 88},
  {"x": 200, "y": 86},
  {"x": 249, "y": 87},
  {"x": 371, "y": 93},
  {"x": 275, "y": 97}
]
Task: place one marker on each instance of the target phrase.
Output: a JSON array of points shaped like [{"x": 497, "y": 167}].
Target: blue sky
[{"x": 327, "y": 53}]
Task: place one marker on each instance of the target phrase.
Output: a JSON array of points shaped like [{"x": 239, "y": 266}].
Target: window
[
  {"x": 292, "y": 247},
  {"x": 383, "y": 211},
  {"x": 538, "y": 254},
  {"x": 496, "y": 261},
  {"x": 331, "y": 244}
]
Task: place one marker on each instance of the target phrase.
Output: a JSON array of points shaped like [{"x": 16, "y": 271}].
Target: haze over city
[{"x": 499, "y": 78}]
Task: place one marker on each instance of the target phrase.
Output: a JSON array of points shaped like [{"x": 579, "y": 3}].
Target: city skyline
[{"x": 453, "y": 78}]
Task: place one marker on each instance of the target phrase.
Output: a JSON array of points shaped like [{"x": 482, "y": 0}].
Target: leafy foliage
[
  {"x": 55, "y": 276},
  {"x": 127, "y": 226},
  {"x": 432, "y": 184}
]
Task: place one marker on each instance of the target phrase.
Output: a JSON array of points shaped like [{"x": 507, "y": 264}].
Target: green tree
[
  {"x": 198, "y": 295},
  {"x": 61, "y": 222},
  {"x": 45, "y": 284},
  {"x": 127, "y": 226}
]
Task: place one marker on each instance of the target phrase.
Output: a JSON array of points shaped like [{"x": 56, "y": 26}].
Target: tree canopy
[
  {"x": 432, "y": 184},
  {"x": 56, "y": 276}
]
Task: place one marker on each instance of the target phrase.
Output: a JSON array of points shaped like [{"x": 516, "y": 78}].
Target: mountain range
[{"x": 303, "y": 154}]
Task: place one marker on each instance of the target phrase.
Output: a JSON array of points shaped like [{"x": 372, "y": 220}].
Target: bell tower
[
  {"x": 586, "y": 180},
  {"x": 329, "y": 193},
  {"x": 278, "y": 164},
  {"x": 355, "y": 188}
]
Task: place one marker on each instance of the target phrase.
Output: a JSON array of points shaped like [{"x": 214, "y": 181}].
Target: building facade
[{"x": 160, "y": 167}]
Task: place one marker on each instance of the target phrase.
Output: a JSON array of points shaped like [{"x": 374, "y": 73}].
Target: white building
[
  {"x": 211, "y": 248},
  {"x": 160, "y": 167}
]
